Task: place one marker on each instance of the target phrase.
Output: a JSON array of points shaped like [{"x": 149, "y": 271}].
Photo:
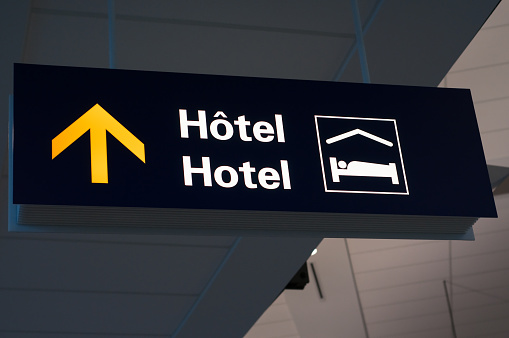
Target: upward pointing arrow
[{"x": 98, "y": 121}]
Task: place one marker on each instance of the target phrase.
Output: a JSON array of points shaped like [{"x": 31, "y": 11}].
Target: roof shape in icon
[{"x": 358, "y": 132}]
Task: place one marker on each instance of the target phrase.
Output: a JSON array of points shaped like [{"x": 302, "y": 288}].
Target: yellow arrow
[{"x": 98, "y": 121}]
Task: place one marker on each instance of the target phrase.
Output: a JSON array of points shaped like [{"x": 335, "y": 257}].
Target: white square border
[{"x": 355, "y": 191}]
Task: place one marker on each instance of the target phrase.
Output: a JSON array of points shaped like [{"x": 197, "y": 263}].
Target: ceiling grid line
[
  {"x": 413, "y": 245},
  {"x": 196, "y": 23},
  {"x": 353, "y": 46},
  {"x": 206, "y": 288}
]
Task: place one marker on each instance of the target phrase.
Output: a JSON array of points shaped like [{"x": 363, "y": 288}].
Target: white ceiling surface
[
  {"x": 400, "y": 282},
  {"x": 60, "y": 285}
]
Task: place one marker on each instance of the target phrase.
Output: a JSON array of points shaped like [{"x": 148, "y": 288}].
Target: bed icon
[
  {"x": 359, "y": 168},
  {"x": 365, "y": 169},
  {"x": 360, "y": 155}
]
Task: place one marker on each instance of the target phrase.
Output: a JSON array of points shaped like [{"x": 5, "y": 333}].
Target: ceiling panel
[
  {"x": 106, "y": 266},
  {"x": 490, "y": 83},
  {"x": 416, "y": 273},
  {"x": 90, "y": 313},
  {"x": 358, "y": 246},
  {"x": 482, "y": 313},
  {"x": 495, "y": 147},
  {"x": 217, "y": 50},
  {"x": 481, "y": 263},
  {"x": 67, "y": 41},
  {"x": 485, "y": 50},
  {"x": 397, "y": 311},
  {"x": 402, "y": 293},
  {"x": 98, "y": 6},
  {"x": 406, "y": 326},
  {"x": 499, "y": 16},
  {"x": 481, "y": 281},
  {"x": 492, "y": 115},
  {"x": 398, "y": 257},
  {"x": 277, "y": 321},
  {"x": 426, "y": 333},
  {"x": 500, "y": 292},
  {"x": 317, "y": 16},
  {"x": 422, "y": 57},
  {"x": 496, "y": 328},
  {"x": 464, "y": 299}
]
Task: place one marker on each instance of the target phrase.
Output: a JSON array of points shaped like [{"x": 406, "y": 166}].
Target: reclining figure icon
[{"x": 359, "y": 168}]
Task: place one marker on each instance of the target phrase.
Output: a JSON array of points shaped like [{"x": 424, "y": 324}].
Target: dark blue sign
[{"x": 100, "y": 137}]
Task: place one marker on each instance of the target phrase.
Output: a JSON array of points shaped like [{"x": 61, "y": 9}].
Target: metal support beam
[
  {"x": 359, "y": 37},
  {"x": 353, "y": 48}
]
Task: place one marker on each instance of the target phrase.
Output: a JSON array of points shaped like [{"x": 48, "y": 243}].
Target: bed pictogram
[
  {"x": 360, "y": 155},
  {"x": 366, "y": 169},
  {"x": 360, "y": 168}
]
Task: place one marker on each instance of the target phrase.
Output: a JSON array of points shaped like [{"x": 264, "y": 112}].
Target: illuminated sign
[{"x": 267, "y": 153}]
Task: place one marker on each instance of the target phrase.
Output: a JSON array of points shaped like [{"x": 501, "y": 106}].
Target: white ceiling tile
[
  {"x": 487, "y": 83},
  {"x": 482, "y": 313},
  {"x": 484, "y": 244},
  {"x": 503, "y": 161},
  {"x": 406, "y": 326},
  {"x": 500, "y": 292},
  {"x": 493, "y": 115},
  {"x": 275, "y": 313},
  {"x": 432, "y": 251},
  {"x": 482, "y": 281},
  {"x": 396, "y": 277},
  {"x": 273, "y": 330},
  {"x": 403, "y": 293},
  {"x": 409, "y": 309},
  {"x": 444, "y": 332},
  {"x": 495, "y": 144},
  {"x": 496, "y": 328},
  {"x": 481, "y": 263},
  {"x": 464, "y": 299},
  {"x": 486, "y": 49},
  {"x": 358, "y": 246}
]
